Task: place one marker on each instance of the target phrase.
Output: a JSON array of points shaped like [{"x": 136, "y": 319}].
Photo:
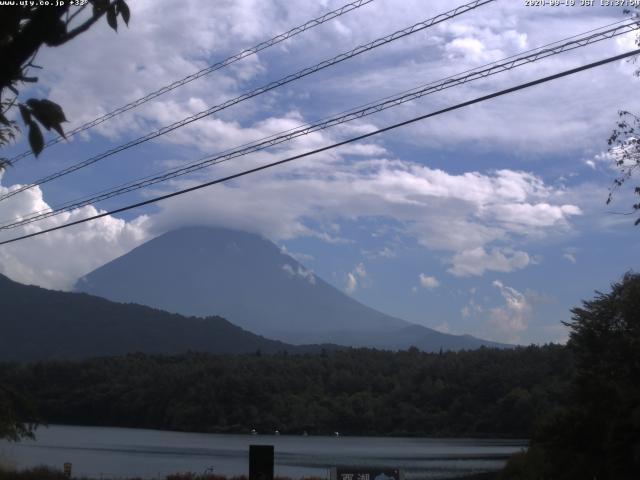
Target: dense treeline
[{"x": 485, "y": 392}]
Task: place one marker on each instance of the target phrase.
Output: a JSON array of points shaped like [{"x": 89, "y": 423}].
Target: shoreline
[{"x": 435, "y": 437}]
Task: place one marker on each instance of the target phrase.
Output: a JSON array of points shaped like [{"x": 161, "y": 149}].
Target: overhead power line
[
  {"x": 335, "y": 145},
  {"x": 353, "y": 114},
  {"x": 258, "y": 91},
  {"x": 205, "y": 71}
]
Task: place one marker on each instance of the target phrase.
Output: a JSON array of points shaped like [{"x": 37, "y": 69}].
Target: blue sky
[{"x": 490, "y": 220}]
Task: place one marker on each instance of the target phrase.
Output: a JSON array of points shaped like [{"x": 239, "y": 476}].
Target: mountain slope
[
  {"x": 250, "y": 281},
  {"x": 240, "y": 276},
  {"x": 40, "y": 324}
]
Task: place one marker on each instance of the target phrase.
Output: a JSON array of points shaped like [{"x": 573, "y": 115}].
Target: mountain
[
  {"x": 248, "y": 280},
  {"x": 40, "y": 324}
]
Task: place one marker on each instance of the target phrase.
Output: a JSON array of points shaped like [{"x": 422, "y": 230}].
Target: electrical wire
[
  {"x": 499, "y": 66},
  {"x": 258, "y": 91},
  {"x": 205, "y": 71},
  {"x": 332, "y": 146}
]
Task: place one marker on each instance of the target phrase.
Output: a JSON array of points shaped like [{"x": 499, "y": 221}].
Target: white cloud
[
  {"x": 165, "y": 51},
  {"x": 463, "y": 213},
  {"x": 472, "y": 308},
  {"x": 385, "y": 252},
  {"x": 355, "y": 278},
  {"x": 57, "y": 259},
  {"x": 299, "y": 256},
  {"x": 467, "y": 47},
  {"x": 460, "y": 213},
  {"x": 428, "y": 282},
  {"x": 570, "y": 257},
  {"x": 352, "y": 283},
  {"x": 288, "y": 269},
  {"x": 606, "y": 159},
  {"x": 477, "y": 261},
  {"x": 510, "y": 320},
  {"x": 299, "y": 272}
]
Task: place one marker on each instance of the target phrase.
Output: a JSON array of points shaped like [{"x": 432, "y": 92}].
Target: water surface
[{"x": 102, "y": 452}]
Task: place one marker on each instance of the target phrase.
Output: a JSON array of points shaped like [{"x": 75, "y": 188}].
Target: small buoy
[
  {"x": 337, "y": 434},
  {"x": 277, "y": 432}
]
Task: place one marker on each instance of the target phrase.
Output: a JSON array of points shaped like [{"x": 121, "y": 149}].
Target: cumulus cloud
[
  {"x": 464, "y": 214},
  {"x": 165, "y": 51},
  {"x": 461, "y": 213},
  {"x": 428, "y": 282},
  {"x": 477, "y": 261},
  {"x": 385, "y": 252},
  {"x": 511, "y": 319},
  {"x": 299, "y": 272},
  {"x": 299, "y": 256},
  {"x": 472, "y": 308},
  {"x": 355, "y": 278},
  {"x": 57, "y": 259}
]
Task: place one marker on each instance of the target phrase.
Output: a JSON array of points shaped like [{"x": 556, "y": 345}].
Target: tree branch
[
  {"x": 79, "y": 29},
  {"x": 75, "y": 14}
]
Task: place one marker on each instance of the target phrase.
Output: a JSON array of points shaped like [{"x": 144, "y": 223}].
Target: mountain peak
[{"x": 245, "y": 278}]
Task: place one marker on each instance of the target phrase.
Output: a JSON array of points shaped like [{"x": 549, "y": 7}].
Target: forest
[
  {"x": 577, "y": 404},
  {"x": 486, "y": 392}
]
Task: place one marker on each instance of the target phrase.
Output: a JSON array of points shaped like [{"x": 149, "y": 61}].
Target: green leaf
[
  {"x": 24, "y": 112},
  {"x": 48, "y": 113},
  {"x": 35, "y": 138},
  {"x": 112, "y": 19},
  {"x": 99, "y": 6},
  {"x": 123, "y": 10},
  {"x": 53, "y": 32}
]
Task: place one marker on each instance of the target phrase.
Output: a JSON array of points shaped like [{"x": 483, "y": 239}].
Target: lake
[{"x": 102, "y": 452}]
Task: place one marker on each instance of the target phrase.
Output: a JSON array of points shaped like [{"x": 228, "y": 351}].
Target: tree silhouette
[
  {"x": 24, "y": 29},
  {"x": 18, "y": 418},
  {"x": 597, "y": 432},
  {"x": 624, "y": 142}
]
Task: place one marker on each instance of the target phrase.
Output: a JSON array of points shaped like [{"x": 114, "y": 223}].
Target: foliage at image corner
[
  {"x": 18, "y": 417},
  {"x": 596, "y": 432},
  {"x": 24, "y": 29},
  {"x": 624, "y": 141}
]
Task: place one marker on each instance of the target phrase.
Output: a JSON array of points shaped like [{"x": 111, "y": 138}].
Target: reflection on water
[{"x": 123, "y": 452}]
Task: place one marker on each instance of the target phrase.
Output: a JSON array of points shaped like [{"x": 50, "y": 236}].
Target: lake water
[{"x": 123, "y": 452}]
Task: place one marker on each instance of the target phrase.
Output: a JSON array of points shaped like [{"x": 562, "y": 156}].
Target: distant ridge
[
  {"x": 40, "y": 324},
  {"x": 248, "y": 280}
]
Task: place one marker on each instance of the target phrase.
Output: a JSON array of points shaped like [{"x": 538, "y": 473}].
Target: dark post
[{"x": 260, "y": 462}]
